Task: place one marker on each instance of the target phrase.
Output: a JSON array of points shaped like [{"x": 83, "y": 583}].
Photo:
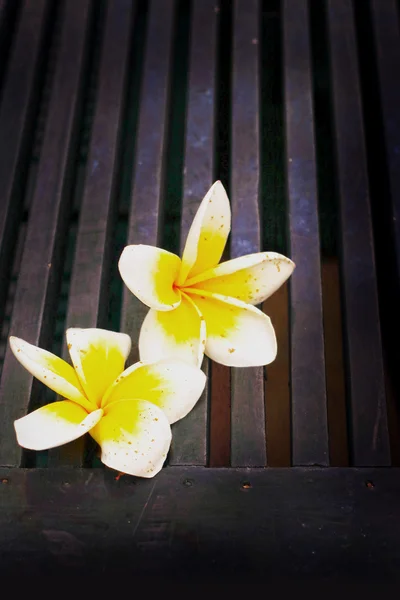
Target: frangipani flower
[
  {"x": 128, "y": 412},
  {"x": 197, "y": 305}
]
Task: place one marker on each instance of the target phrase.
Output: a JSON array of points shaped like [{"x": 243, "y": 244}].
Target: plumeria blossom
[
  {"x": 198, "y": 306},
  {"x": 128, "y": 412}
]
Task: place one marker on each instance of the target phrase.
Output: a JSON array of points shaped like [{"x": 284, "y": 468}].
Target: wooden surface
[
  {"x": 34, "y": 304},
  {"x": 308, "y": 384},
  {"x": 190, "y": 435},
  {"x": 89, "y": 287},
  {"x": 149, "y": 165},
  {"x": 197, "y": 524},
  {"x": 247, "y": 395},
  {"x": 365, "y": 382},
  {"x": 387, "y": 38},
  {"x": 18, "y": 103}
]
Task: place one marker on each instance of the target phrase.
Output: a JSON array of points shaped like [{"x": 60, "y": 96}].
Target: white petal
[
  {"x": 150, "y": 274},
  {"x": 252, "y": 278},
  {"x": 134, "y": 436},
  {"x": 98, "y": 357},
  {"x": 208, "y": 234},
  {"x": 173, "y": 386},
  {"x": 51, "y": 370},
  {"x": 238, "y": 334},
  {"x": 54, "y": 425},
  {"x": 178, "y": 334}
]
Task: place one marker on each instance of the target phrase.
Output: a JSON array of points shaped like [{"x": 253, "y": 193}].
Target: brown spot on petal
[
  {"x": 231, "y": 350},
  {"x": 69, "y": 346}
]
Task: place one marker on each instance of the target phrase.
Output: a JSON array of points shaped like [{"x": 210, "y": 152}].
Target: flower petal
[
  {"x": 134, "y": 436},
  {"x": 208, "y": 234},
  {"x": 238, "y": 334},
  {"x": 179, "y": 334},
  {"x": 150, "y": 274},
  {"x": 251, "y": 278},
  {"x": 51, "y": 370},
  {"x": 54, "y": 425},
  {"x": 98, "y": 357},
  {"x": 173, "y": 386}
]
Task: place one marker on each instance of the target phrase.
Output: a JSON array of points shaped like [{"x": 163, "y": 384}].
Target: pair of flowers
[{"x": 197, "y": 307}]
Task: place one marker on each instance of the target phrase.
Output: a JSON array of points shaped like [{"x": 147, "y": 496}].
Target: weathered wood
[
  {"x": 220, "y": 416},
  {"x": 335, "y": 374},
  {"x": 149, "y": 165},
  {"x": 34, "y": 305},
  {"x": 18, "y": 103},
  {"x": 370, "y": 439},
  {"x": 248, "y": 446},
  {"x": 387, "y": 40},
  {"x": 189, "y": 443},
  {"x": 277, "y": 382},
  {"x": 88, "y": 295},
  {"x": 309, "y": 406},
  {"x": 205, "y": 523}
]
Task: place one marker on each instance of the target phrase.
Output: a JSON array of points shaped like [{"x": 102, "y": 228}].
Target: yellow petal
[
  {"x": 238, "y": 334},
  {"x": 98, "y": 357},
  {"x": 252, "y": 278},
  {"x": 54, "y": 425},
  {"x": 208, "y": 234},
  {"x": 51, "y": 370},
  {"x": 134, "y": 436},
  {"x": 150, "y": 274},
  {"x": 179, "y": 334},
  {"x": 174, "y": 386}
]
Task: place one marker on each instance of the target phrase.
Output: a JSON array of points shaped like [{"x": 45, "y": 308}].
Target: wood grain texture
[
  {"x": 387, "y": 39},
  {"x": 189, "y": 442},
  {"x": 277, "y": 383},
  {"x": 18, "y": 102},
  {"x": 37, "y": 288},
  {"x": 335, "y": 372},
  {"x": 88, "y": 297},
  {"x": 309, "y": 405},
  {"x": 193, "y": 524},
  {"x": 248, "y": 446},
  {"x": 370, "y": 438},
  {"x": 149, "y": 164}
]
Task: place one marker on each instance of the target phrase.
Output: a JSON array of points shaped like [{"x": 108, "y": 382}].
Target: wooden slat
[
  {"x": 370, "y": 439},
  {"x": 147, "y": 188},
  {"x": 277, "y": 390},
  {"x": 87, "y": 302},
  {"x": 41, "y": 261},
  {"x": 194, "y": 524},
  {"x": 309, "y": 408},
  {"x": 189, "y": 443},
  {"x": 16, "y": 124},
  {"x": 248, "y": 446},
  {"x": 387, "y": 39},
  {"x": 335, "y": 373}
]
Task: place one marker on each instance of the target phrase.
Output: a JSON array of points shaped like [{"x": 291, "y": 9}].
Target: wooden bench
[{"x": 115, "y": 118}]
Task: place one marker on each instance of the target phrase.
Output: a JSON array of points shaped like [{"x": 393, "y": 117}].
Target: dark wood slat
[
  {"x": 194, "y": 524},
  {"x": 277, "y": 380},
  {"x": 147, "y": 188},
  {"x": 370, "y": 439},
  {"x": 87, "y": 302},
  {"x": 248, "y": 447},
  {"x": 335, "y": 371},
  {"x": 19, "y": 99},
  {"x": 387, "y": 39},
  {"x": 220, "y": 416},
  {"x": 189, "y": 442},
  {"x": 309, "y": 407},
  {"x": 41, "y": 261}
]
